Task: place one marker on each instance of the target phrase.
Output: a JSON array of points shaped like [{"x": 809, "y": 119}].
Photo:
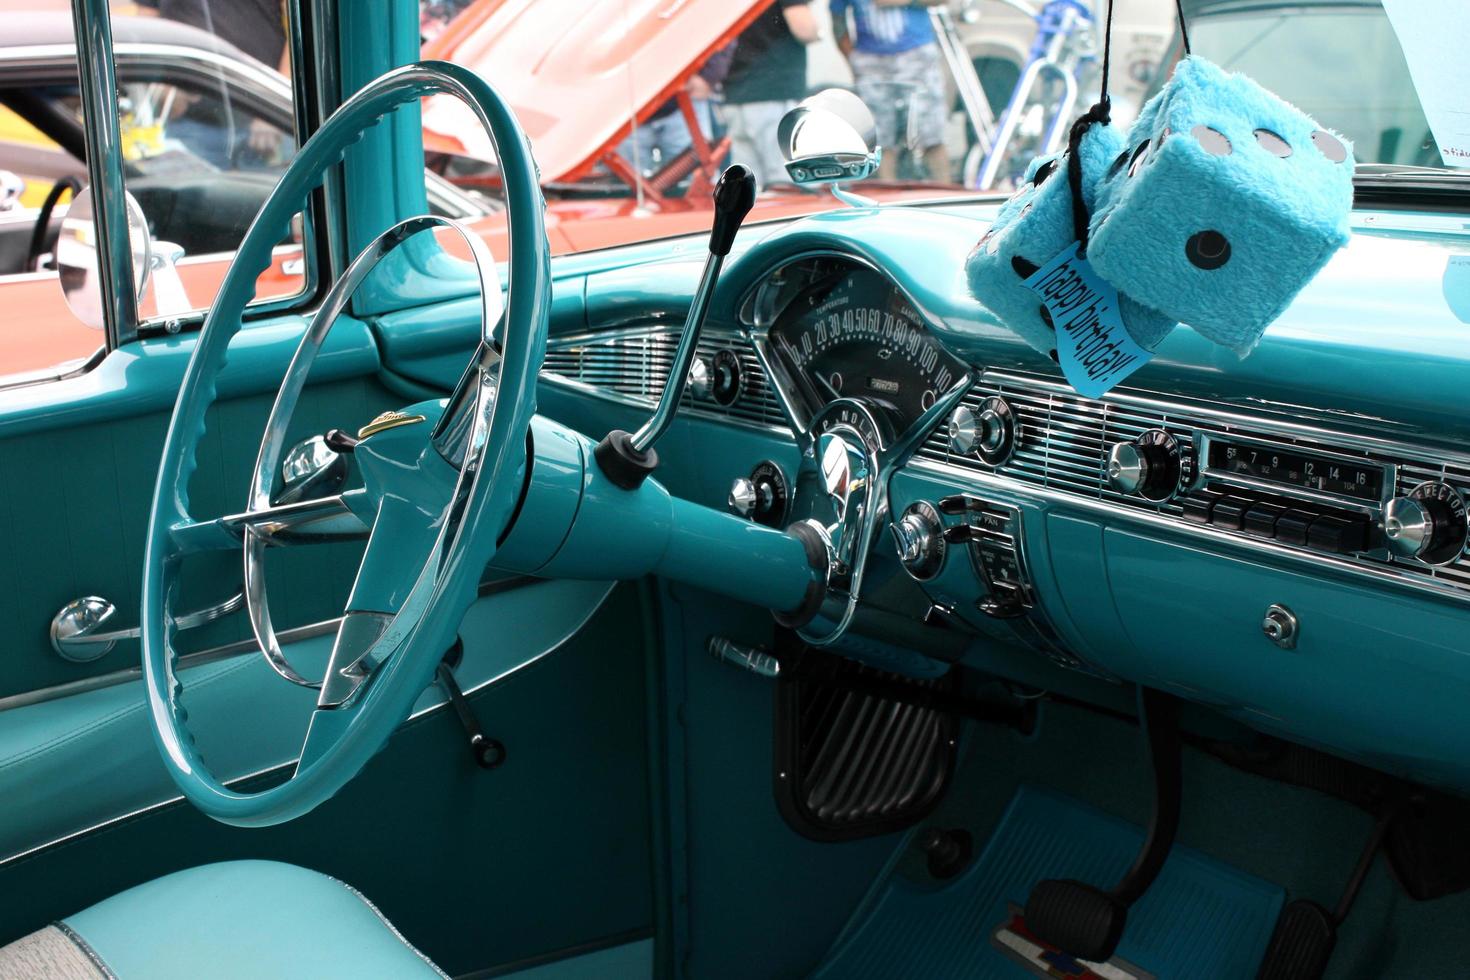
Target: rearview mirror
[
  {"x": 78, "y": 270},
  {"x": 828, "y": 138}
]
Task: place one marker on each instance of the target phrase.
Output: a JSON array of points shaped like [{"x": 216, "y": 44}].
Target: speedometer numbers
[{"x": 853, "y": 334}]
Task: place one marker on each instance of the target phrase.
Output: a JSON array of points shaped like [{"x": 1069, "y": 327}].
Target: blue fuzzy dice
[
  {"x": 1225, "y": 204},
  {"x": 1035, "y": 226}
]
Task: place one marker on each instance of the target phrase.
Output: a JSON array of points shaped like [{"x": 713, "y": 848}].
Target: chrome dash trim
[
  {"x": 1063, "y": 446},
  {"x": 630, "y": 365}
]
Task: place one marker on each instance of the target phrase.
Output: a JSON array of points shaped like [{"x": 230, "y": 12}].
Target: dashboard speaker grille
[{"x": 633, "y": 365}]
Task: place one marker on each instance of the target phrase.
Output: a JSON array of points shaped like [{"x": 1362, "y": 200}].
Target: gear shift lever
[{"x": 628, "y": 459}]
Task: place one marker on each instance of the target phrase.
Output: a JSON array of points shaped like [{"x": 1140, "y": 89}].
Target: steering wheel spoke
[{"x": 319, "y": 519}]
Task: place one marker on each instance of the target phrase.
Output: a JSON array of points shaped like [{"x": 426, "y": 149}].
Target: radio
[{"x": 1306, "y": 498}]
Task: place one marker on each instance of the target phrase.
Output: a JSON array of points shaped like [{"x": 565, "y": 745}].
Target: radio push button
[
  {"x": 1338, "y": 534},
  {"x": 1198, "y": 505},
  {"x": 1292, "y": 526},
  {"x": 1229, "y": 512},
  {"x": 1260, "y": 520}
]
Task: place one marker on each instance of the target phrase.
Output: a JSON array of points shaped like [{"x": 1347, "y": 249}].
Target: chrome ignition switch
[{"x": 918, "y": 536}]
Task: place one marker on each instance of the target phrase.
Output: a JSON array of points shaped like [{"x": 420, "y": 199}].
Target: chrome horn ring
[{"x": 263, "y": 487}]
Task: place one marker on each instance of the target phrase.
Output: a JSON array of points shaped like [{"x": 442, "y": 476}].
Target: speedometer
[{"x": 843, "y": 330}]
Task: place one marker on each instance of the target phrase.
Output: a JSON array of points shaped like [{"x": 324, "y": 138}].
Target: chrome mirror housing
[
  {"x": 77, "y": 268},
  {"x": 829, "y": 138}
]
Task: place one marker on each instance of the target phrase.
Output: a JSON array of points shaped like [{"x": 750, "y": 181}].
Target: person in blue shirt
[{"x": 899, "y": 71}]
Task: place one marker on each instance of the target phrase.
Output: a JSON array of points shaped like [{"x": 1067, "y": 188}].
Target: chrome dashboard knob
[
  {"x": 763, "y": 496},
  {"x": 1147, "y": 467},
  {"x": 1429, "y": 524},
  {"x": 964, "y": 432},
  {"x": 743, "y": 497},
  {"x": 1127, "y": 468},
  {"x": 918, "y": 537},
  {"x": 701, "y": 378},
  {"x": 1409, "y": 527},
  {"x": 993, "y": 431}
]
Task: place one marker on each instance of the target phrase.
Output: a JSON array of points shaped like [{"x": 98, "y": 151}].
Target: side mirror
[
  {"x": 77, "y": 268},
  {"x": 11, "y": 188},
  {"x": 828, "y": 138}
]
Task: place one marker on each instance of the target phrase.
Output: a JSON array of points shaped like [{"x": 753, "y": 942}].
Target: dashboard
[
  {"x": 834, "y": 327},
  {"x": 1283, "y": 538}
]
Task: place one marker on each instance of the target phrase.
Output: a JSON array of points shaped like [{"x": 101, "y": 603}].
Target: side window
[
  {"x": 206, "y": 119},
  {"x": 200, "y": 161}
]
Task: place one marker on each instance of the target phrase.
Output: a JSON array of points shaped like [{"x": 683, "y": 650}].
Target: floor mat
[{"x": 1201, "y": 920}]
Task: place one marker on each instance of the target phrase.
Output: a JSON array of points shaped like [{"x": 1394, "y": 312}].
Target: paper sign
[
  {"x": 1433, "y": 34},
  {"x": 1093, "y": 346}
]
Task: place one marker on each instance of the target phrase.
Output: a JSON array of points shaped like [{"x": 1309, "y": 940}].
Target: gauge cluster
[{"x": 835, "y": 328}]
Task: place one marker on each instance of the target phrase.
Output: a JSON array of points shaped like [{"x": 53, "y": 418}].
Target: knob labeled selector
[
  {"x": 1428, "y": 524},
  {"x": 762, "y": 496},
  {"x": 1147, "y": 467},
  {"x": 918, "y": 537},
  {"x": 987, "y": 431}
]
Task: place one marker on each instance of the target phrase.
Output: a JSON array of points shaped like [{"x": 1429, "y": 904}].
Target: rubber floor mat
[{"x": 1201, "y": 920}]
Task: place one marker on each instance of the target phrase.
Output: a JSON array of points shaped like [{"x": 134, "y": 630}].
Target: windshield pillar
[{"x": 98, "y": 83}]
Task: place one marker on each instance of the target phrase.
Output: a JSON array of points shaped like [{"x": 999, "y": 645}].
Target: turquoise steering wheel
[{"x": 441, "y": 483}]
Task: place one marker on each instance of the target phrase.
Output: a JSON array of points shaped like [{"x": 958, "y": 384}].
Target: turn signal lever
[{"x": 628, "y": 459}]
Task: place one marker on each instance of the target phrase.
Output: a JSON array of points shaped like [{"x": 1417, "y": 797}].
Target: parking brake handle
[{"x": 628, "y": 459}]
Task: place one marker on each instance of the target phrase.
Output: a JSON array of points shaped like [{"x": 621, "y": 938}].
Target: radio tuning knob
[
  {"x": 1428, "y": 524},
  {"x": 1147, "y": 467}
]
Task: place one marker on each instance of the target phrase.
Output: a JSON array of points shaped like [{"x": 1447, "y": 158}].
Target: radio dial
[
  {"x": 1147, "y": 467},
  {"x": 1428, "y": 524}
]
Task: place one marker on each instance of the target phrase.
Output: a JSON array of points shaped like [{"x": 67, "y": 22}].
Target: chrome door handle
[{"x": 78, "y": 630}]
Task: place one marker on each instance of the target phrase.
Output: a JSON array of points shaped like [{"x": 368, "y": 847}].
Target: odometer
[{"x": 849, "y": 332}]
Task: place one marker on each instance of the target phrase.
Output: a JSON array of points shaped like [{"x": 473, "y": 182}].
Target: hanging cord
[{"x": 1101, "y": 112}]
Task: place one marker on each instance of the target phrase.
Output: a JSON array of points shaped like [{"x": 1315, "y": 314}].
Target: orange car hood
[{"x": 574, "y": 69}]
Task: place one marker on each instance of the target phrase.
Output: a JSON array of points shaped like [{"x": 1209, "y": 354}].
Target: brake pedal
[
  {"x": 1306, "y": 933},
  {"x": 1086, "y": 921}
]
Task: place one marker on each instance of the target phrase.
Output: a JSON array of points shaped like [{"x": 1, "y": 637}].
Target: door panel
[
  {"x": 550, "y": 851},
  {"x": 78, "y": 462}
]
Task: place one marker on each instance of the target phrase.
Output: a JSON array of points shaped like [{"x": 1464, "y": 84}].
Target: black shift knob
[{"x": 734, "y": 197}]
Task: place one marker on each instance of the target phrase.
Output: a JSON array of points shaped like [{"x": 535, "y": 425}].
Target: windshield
[
  {"x": 1342, "y": 63},
  {"x": 634, "y": 107}
]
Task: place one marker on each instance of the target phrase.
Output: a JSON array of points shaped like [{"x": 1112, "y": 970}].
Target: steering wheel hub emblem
[{"x": 388, "y": 420}]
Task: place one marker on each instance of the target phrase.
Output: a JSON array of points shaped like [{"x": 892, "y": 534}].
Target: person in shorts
[
  {"x": 899, "y": 73},
  {"x": 767, "y": 77}
]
